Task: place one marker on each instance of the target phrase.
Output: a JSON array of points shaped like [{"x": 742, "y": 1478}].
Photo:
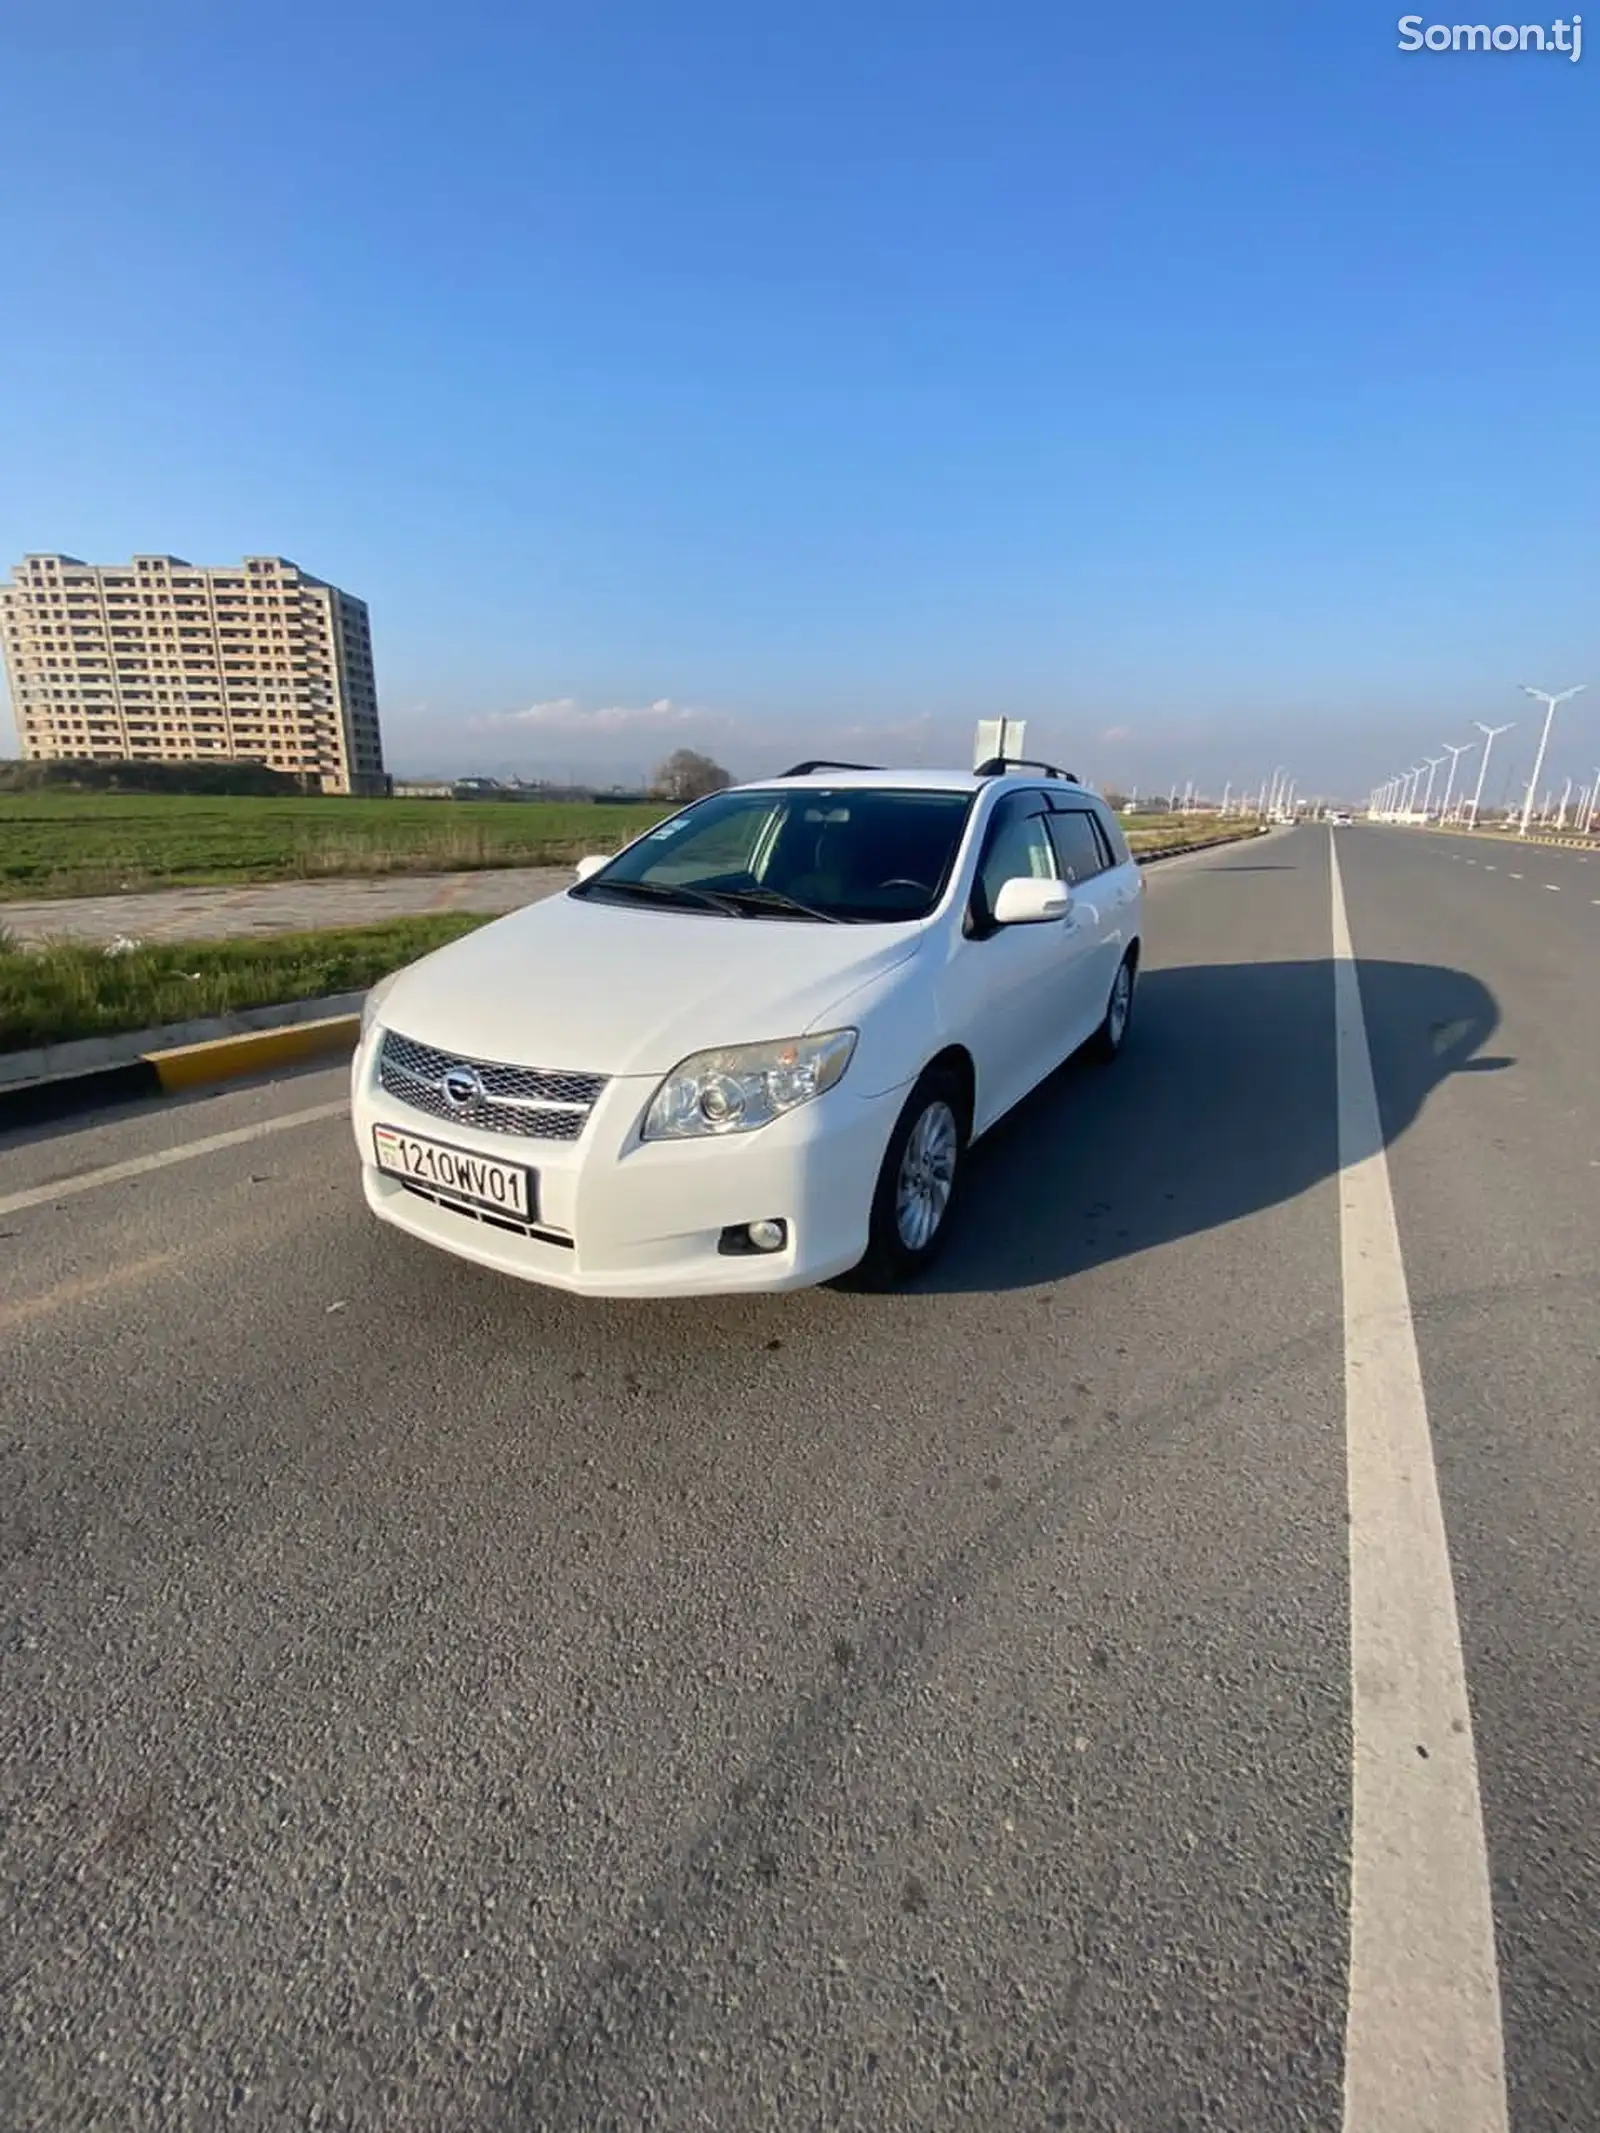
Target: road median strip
[
  {"x": 57, "y": 1081},
  {"x": 1573, "y": 841}
]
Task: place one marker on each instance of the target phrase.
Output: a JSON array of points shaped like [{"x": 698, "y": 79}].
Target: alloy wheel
[{"x": 927, "y": 1176}]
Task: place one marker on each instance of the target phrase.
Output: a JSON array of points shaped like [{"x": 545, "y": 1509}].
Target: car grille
[{"x": 498, "y": 1098}]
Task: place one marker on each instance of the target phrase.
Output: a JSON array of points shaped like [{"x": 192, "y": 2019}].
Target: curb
[
  {"x": 1203, "y": 844},
  {"x": 175, "y": 1070},
  {"x": 85, "y": 1055},
  {"x": 1565, "y": 844},
  {"x": 172, "y": 1070}
]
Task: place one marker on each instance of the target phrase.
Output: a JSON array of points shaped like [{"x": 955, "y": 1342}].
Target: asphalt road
[{"x": 435, "y": 1703}]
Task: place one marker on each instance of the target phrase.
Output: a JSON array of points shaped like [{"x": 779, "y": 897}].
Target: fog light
[{"x": 769, "y": 1236}]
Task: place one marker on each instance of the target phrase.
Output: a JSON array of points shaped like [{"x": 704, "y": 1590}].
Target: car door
[
  {"x": 1010, "y": 991},
  {"x": 1099, "y": 899},
  {"x": 1125, "y": 905}
]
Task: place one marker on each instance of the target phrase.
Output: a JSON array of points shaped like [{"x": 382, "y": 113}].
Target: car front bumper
[{"x": 619, "y": 1217}]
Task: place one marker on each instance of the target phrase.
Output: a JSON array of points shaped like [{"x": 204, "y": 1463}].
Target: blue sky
[{"x": 1212, "y": 387}]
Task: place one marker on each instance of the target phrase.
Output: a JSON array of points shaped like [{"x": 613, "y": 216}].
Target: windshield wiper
[
  {"x": 776, "y": 900},
  {"x": 676, "y": 892}
]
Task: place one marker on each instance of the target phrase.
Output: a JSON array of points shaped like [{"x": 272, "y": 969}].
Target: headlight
[
  {"x": 374, "y": 1000},
  {"x": 746, "y": 1086}
]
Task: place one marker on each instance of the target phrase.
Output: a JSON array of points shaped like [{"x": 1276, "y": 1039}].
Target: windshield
[{"x": 848, "y": 856}]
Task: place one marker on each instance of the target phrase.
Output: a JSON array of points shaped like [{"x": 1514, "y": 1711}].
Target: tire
[
  {"x": 1112, "y": 1034},
  {"x": 909, "y": 1224}
]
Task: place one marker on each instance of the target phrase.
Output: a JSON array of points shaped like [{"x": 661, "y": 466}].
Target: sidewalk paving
[{"x": 214, "y": 914}]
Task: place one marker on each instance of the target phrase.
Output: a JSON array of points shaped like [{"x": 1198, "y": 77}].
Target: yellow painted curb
[{"x": 191, "y": 1066}]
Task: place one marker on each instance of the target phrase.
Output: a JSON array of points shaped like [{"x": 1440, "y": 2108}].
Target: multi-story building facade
[{"x": 158, "y": 660}]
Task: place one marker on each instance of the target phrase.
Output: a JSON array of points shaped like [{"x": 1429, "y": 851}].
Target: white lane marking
[
  {"x": 139, "y": 1166},
  {"x": 1554, "y": 887},
  {"x": 1423, "y": 2045},
  {"x": 1516, "y": 877},
  {"x": 1489, "y": 869}
]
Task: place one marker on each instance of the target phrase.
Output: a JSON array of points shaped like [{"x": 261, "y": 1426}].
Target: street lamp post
[
  {"x": 1594, "y": 800},
  {"x": 1490, "y": 735},
  {"x": 1544, "y": 697},
  {"x": 1433, "y": 762},
  {"x": 1455, "y": 755}
]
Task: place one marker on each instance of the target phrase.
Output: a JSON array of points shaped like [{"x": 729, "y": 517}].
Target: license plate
[{"x": 507, "y": 1188}]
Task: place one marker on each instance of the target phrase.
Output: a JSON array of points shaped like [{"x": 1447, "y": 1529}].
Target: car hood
[{"x": 580, "y": 986}]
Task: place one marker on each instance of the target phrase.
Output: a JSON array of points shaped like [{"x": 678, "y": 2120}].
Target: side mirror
[
  {"x": 1025, "y": 901},
  {"x": 591, "y": 865}
]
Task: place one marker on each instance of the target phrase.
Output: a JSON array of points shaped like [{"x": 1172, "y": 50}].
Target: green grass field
[
  {"x": 89, "y": 844},
  {"x": 54, "y": 994},
  {"x": 51, "y": 995},
  {"x": 94, "y": 844}
]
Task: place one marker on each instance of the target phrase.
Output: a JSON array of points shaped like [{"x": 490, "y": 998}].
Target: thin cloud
[
  {"x": 903, "y": 729},
  {"x": 564, "y": 715}
]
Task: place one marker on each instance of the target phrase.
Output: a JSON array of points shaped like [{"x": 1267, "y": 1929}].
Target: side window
[
  {"x": 1079, "y": 844},
  {"x": 1018, "y": 845}
]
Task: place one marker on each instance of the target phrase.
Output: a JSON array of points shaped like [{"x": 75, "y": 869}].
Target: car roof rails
[
  {"x": 806, "y": 769},
  {"x": 999, "y": 765}
]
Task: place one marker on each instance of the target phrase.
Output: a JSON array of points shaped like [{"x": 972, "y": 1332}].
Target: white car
[{"x": 751, "y": 1051}]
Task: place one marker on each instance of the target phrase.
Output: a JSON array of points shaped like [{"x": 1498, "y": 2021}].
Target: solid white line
[
  {"x": 1423, "y": 2048},
  {"x": 139, "y": 1166}
]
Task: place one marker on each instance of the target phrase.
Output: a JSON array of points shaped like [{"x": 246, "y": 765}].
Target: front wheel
[
  {"x": 1108, "y": 1039},
  {"x": 917, "y": 1184}
]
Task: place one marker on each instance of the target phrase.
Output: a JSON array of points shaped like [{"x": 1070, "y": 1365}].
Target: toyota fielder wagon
[{"x": 752, "y": 1050}]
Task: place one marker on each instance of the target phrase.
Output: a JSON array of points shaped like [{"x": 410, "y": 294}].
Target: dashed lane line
[
  {"x": 139, "y": 1166},
  {"x": 1423, "y": 2042}
]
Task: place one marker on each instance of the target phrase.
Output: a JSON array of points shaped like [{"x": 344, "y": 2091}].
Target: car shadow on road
[{"x": 1223, "y": 1103}]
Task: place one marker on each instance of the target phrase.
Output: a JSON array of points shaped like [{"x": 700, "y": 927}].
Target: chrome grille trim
[{"x": 527, "y": 1101}]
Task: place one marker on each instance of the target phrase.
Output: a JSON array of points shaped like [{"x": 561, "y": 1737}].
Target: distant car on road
[
  {"x": 1337, "y": 818},
  {"x": 751, "y": 1050}
]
